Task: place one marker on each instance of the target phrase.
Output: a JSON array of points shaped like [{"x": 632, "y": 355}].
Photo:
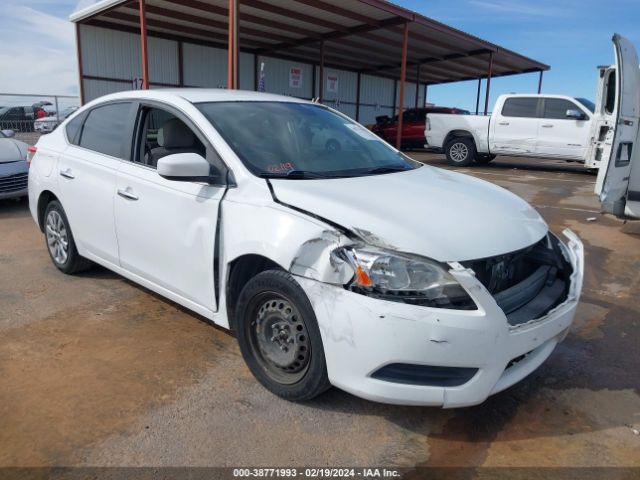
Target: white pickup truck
[{"x": 551, "y": 126}]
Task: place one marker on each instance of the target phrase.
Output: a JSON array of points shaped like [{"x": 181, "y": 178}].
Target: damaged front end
[
  {"x": 526, "y": 284},
  {"x": 529, "y": 283}
]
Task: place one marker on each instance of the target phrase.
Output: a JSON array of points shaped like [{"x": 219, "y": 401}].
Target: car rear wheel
[
  {"x": 460, "y": 151},
  {"x": 279, "y": 337},
  {"x": 60, "y": 244}
]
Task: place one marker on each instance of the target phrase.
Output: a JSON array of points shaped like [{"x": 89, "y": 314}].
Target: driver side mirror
[
  {"x": 187, "y": 167},
  {"x": 575, "y": 114},
  {"x": 9, "y": 133}
]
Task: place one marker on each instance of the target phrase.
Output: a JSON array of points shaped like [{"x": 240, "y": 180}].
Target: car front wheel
[
  {"x": 461, "y": 151},
  {"x": 279, "y": 337}
]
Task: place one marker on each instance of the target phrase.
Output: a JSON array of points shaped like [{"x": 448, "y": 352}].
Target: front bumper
[{"x": 361, "y": 334}]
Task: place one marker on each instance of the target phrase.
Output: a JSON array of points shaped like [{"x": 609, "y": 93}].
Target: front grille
[
  {"x": 528, "y": 283},
  {"x": 14, "y": 183},
  {"x": 504, "y": 271}
]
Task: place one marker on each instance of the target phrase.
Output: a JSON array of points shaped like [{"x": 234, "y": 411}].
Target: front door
[
  {"x": 561, "y": 136},
  {"x": 166, "y": 229},
  {"x": 613, "y": 184}
]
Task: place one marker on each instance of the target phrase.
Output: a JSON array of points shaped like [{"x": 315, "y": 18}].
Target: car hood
[
  {"x": 428, "y": 211},
  {"x": 12, "y": 150}
]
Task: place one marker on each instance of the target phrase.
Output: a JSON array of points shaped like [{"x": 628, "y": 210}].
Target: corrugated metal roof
[{"x": 362, "y": 35}]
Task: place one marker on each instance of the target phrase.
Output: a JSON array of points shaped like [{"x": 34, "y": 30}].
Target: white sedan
[{"x": 355, "y": 267}]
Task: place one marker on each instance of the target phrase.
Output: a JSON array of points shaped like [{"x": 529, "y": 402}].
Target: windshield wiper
[
  {"x": 295, "y": 174},
  {"x": 387, "y": 169}
]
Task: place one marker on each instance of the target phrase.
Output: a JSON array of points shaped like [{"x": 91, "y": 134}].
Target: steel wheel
[
  {"x": 57, "y": 237},
  {"x": 279, "y": 338},
  {"x": 459, "y": 152}
]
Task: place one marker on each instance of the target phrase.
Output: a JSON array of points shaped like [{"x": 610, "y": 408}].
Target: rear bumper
[{"x": 362, "y": 334}]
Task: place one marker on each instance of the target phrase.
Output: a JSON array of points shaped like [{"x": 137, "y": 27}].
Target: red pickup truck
[{"x": 413, "y": 121}]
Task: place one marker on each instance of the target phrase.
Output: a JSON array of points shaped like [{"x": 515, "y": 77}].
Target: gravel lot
[{"x": 95, "y": 370}]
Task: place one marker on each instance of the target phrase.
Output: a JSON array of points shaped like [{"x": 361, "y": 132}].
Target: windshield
[
  {"x": 587, "y": 103},
  {"x": 298, "y": 140}
]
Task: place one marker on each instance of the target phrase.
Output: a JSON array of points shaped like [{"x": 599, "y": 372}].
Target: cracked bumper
[{"x": 362, "y": 334}]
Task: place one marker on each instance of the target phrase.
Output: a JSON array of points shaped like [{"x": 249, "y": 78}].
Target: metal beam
[
  {"x": 540, "y": 82},
  {"x": 80, "y": 73},
  {"x": 143, "y": 45},
  {"x": 486, "y": 97},
  {"x": 321, "y": 74},
  {"x": 232, "y": 46},
  {"x": 478, "y": 97},
  {"x": 417, "y": 85},
  {"x": 403, "y": 79},
  {"x": 358, "y": 82}
]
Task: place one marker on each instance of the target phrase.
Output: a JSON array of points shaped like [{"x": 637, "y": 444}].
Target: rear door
[
  {"x": 560, "y": 136},
  {"x": 87, "y": 176},
  {"x": 514, "y": 129},
  {"x": 613, "y": 183}
]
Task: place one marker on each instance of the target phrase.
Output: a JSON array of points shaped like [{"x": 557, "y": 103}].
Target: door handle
[
  {"x": 503, "y": 123},
  {"x": 547, "y": 125},
  {"x": 127, "y": 194},
  {"x": 67, "y": 174}
]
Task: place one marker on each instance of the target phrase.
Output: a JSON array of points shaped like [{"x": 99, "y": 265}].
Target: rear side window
[
  {"x": 557, "y": 108},
  {"x": 73, "y": 129},
  {"x": 105, "y": 129},
  {"x": 520, "y": 107}
]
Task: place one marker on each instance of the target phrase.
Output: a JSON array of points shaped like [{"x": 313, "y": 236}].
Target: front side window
[
  {"x": 520, "y": 107},
  {"x": 105, "y": 129},
  {"x": 588, "y": 104},
  {"x": 298, "y": 140},
  {"x": 164, "y": 134},
  {"x": 556, "y": 108}
]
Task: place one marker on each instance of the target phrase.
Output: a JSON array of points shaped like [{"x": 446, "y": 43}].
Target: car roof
[{"x": 201, "y": 95}]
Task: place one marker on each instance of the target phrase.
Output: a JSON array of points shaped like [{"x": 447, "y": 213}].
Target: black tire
[
  {"x": 291, "y": 364},
  {"x": 71, "y": 262},
  {"x": 484, "y": 158},
  {"x": 460, "y": 151}
]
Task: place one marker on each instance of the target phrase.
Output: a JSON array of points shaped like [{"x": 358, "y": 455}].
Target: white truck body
[{"x": 550, "y": 126}]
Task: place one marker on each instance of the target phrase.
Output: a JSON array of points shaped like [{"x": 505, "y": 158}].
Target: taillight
[
  {"x": 428, "y": 124},
  {"x": 31, "y": 151}
]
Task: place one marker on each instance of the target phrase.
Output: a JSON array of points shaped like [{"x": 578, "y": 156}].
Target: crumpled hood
[
  {"x": 428, "y": 211},
  {"x": 12, "y": 150}
]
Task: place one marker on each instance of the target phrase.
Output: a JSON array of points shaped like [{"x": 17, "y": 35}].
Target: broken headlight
[{"x": 404, "y": 278}]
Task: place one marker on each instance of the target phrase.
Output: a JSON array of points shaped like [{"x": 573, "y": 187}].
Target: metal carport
[{"x": 367, "y": 37}]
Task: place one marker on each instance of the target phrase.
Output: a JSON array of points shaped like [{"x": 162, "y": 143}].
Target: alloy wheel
[{"x": 57, "y": 237}]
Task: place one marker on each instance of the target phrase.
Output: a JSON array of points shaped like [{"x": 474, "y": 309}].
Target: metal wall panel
[
  {"x": 163, "y": 60},
  {"x": 204, "y": 66},
  {"x": 409, "y": 95},
  {"x": 376, "y": 98},
  {"x": 277, "y": 77},
  {"x": 345, "y": 97},
  {"x": 246, "y": 72},
  {"x": 110, "y": 53},
  {"x": 115, "y": 54},
  {"x": 97, "y": 88}
]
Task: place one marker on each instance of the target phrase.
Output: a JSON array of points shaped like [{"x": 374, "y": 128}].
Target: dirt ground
[{"x": 95, "y": 370}]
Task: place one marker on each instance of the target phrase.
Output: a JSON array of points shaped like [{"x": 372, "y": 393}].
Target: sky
[{"x": 572, "y": 36}]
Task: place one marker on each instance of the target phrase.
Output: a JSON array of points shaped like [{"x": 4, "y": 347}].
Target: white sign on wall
[
  {"x": 295, "y": 77},
  {"x": 332, "y": 83},
  {"x": 137, "y": 83}
]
